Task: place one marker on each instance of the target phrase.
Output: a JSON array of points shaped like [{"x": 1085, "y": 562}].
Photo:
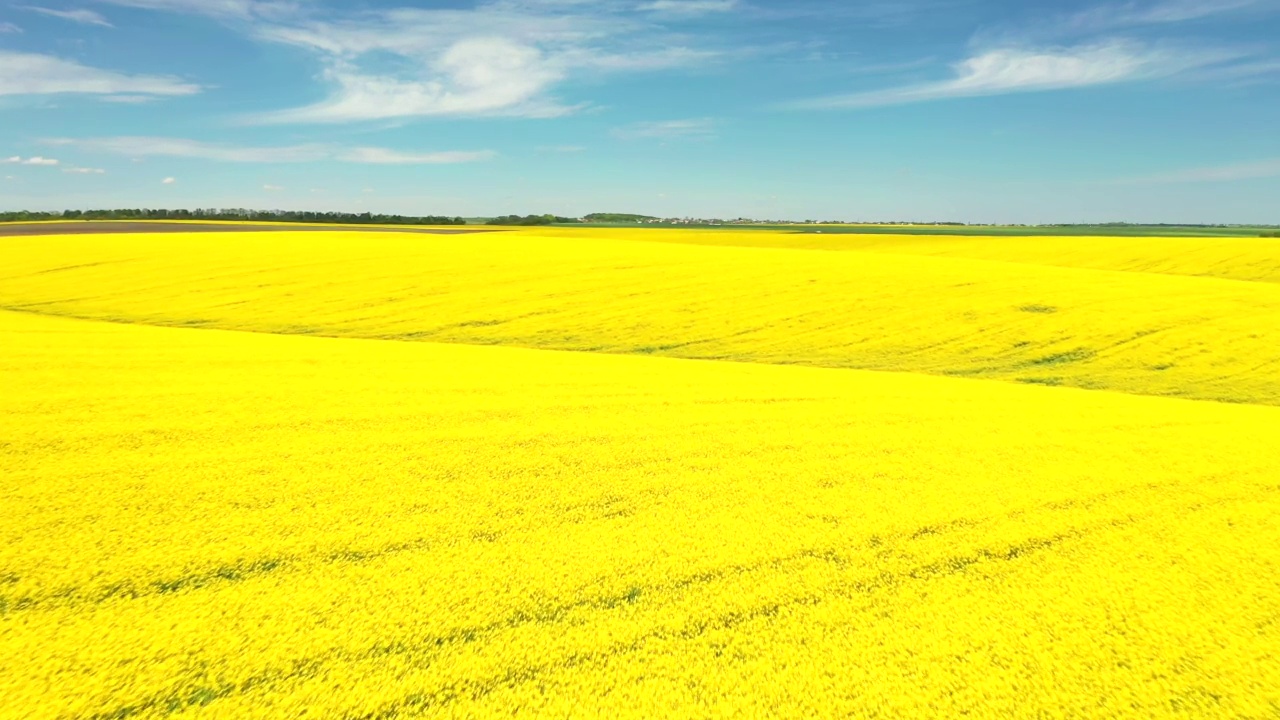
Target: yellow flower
[{"x": 209, "y": 523}]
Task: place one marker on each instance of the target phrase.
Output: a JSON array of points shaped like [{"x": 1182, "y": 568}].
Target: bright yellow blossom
[
  {"x": 1122, "y": 329},
  {"x": 209, "y": 523}
]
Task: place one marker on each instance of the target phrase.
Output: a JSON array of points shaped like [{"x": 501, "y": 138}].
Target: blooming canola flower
[{"x": 209, "y": 522}]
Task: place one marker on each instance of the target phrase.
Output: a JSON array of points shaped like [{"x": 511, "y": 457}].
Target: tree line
[
  {"x": 618, "y": 218},
  {"x": 532, "y": 220},
  {"x": 235, "y": 214}
]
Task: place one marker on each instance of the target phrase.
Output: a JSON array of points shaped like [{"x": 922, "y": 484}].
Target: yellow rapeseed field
[
  {"x": 200, "y": 522},
  {"x": 1142, "y": 332},
  {"x": 1234, "y": 258}
]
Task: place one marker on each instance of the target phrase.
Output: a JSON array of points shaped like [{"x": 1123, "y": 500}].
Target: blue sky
[{"x": 967, "y": 110}]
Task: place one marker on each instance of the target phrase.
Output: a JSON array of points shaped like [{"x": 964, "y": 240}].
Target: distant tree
[
  {"x": 531, "y": 220},
  {"x": 617, "y": 218},
  {"x": 238, "y": 214}
]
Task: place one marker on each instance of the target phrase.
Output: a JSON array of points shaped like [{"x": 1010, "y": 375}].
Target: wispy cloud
[
  {"x": 688, "y": 7},
  {"x": 1252, "y": 170},
  {"x": 864, "y": 13},
  {"x": 480, "y": 76},
  {"x": 84, "y": 171},
  {"x": 169, "y": 181},
  {"x": 33, "y": 74},
  {"x": 1020, "y": 70},
  {"x": 693, "y": 128},
  {"x": 1135, "y": 13},
  {"x": 383, "y": 156},
  {"x": 9, "y": 28},
  {"x": 498, "y": 58},
  {"x": 41, "y": 161},
  {"x": 1106, "y": 19},
  {"x": 138, "y": 147},
  {"x": 223, "y": 9},
  {"x": 509, "y": 69},
  {"x": 1238, "y": 74},
  {"x": 128, "y": 99},
  {"x": 84, "y": 17},
  {"x": 272, "y": 188}
]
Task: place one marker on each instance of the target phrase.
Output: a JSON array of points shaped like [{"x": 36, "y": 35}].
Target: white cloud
[
  {"x": 647, "y": 61},
  {"x": 500, "y": 58},
  {"x": 1135, "y": 13},
  {"x": 1253, "y": 170},
  {"x": 85, "y": 171},
  {"x": 383, "y": 156},
  {"x": 688, "y": 7},
  {"x": 84, "y": 17},
  {"x": 480, "y": 76},
  {"x": 496, "y": 58},
  {"x": 272, "y": 188},
  {"x": 1241, "y": 73},
  {"x": 128, "y": 99},
  {"x": 695, "y": 128},
  {"x": 222, "y": 9},
  {"x": 43, "y": 161},
  {"x": 1017, "y": 70},
  {"x": 1108, "y": 18},
  {"x": 32, "y": 74},
  {"x": 168, "y": 181},
  {"x": 8, "y": 27},
  {"x": 137, "y": 147}
]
